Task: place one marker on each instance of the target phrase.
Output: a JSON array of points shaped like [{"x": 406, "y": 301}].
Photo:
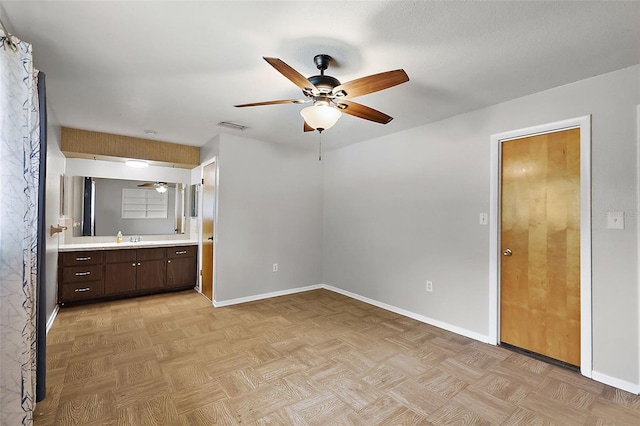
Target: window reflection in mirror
[{"x": 104, "y": 206}]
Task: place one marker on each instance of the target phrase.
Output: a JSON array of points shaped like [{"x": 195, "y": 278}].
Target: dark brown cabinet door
[
  {"x": 150, "y": 274},
  {"x": 120, "y": 278},
  {"x": 120, "y": 271},
  {"x": 181, "y": 272}
]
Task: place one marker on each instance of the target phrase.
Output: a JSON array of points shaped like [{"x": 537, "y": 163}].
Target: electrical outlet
[
  {"x": 429, "y": 285},
  {"x": 484, "y": 219},
  {"x": 275, "y": 267}
]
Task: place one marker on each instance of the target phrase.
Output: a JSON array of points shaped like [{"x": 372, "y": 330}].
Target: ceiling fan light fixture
[
  {"x": 320, "y": 117},
  {"x": 138, "y": 164}
]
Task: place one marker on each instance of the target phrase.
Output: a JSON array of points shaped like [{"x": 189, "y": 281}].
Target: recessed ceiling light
[{"x": 138, "y": 164}]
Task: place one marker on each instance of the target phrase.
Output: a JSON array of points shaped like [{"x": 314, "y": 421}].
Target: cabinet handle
[
  {"x": 181, "y": 252},
  {"x": 168, "y": 261},
  {"x": 80, "y": 259},
  {"x": 138, "y": 263},
  {"x": 82, "y": 274},
  {"x": 133, "y": 264},
  {"x": 80, "y": 290}
]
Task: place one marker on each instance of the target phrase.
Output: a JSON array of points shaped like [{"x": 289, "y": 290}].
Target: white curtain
[{"x": 19, "y": 169}]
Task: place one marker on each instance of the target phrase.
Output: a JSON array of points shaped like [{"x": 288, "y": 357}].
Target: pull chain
[{"x": 320, "y": 148}]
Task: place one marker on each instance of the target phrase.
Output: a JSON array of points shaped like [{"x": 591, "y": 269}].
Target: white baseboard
[
  {"x": 440, "y": 324},
  {"x": 219, "y": 304},
  {"x": 52, "y": 318},
  {"x": 616, "y": 383}
]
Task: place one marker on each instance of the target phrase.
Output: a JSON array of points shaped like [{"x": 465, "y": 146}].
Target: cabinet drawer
[
  {"x": 150, "y": 254},
  {"x": 184, "y": 251},
  {"x": 79, "y": 291},
  {"x": 120, "y": 255},
  {"x": 74, "y": 274},
  {"x": 79, "y": 258}
]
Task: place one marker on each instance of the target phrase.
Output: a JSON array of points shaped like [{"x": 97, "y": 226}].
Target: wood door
[
  {"x": 150, "y": 275},
  {"x": 150, "y": 269},
  {"x": 120, "y": 278},
  {"x": 120, "y": 271},
  {"x": 540, "y": 243},
  {"x": 181, "y": 272},
  {"x": 208, "y": 212},
  {"x": 182, "y": 264}
]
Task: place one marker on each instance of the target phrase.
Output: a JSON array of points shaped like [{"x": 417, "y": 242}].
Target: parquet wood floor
[{"x": 313, "y": 358}]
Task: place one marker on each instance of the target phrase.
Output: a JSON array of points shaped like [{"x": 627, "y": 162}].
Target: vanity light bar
[{"x": 139, "y": 164}]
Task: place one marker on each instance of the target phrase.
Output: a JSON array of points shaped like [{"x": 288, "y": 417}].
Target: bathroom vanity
[{"x": 91, "y": 272}]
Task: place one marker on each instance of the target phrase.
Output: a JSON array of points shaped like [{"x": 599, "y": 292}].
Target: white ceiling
[{"x": 179, "y": 67}]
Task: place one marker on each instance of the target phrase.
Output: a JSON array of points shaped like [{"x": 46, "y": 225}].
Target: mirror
[{"x": 104, "y": 206}]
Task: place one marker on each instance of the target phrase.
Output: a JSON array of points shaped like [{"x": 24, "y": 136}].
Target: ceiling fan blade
[
  {"x": 283, "y": 101},
  {"x": 308, "y": 128},
  {"x": 361, "y": 111},
  {"x": 293, "y": 75},
  {"x": 370, "y": 84}
]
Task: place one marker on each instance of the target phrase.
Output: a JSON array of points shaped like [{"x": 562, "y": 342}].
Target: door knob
[{"x": 507, "y": 252}]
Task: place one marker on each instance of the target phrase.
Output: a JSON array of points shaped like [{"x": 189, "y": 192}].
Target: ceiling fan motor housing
[{"x": 324, "y": 83}]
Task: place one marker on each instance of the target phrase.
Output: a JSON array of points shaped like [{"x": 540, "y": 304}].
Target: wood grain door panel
[
  {"x": 150, "y": 274},
  {"x": 540, "y": 224},
  {"x": 208, "y": 231},
  {"x": 181, "y": 272},
  {"x": 120, "y": 277}
]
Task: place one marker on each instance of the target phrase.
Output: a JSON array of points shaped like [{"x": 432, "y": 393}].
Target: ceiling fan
[
  {"x": 159, "y": 186},
  {"x": 330, "y": 97}
]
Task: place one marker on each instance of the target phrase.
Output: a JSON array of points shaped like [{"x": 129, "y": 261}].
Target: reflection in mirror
[
  {"x": 102, "y": 207},
  {"x": 193, "y": 199}
]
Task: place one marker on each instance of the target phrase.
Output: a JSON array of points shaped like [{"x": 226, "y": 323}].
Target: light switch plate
[
  {"x": 615, "y": 220},
  {"x": 484, "y": 219}
]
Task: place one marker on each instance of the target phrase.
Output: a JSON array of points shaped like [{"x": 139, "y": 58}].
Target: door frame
[
  {"x": 215, "y": 225},
  {"x": 584, "y": 124},
  {"x": 637, "y": 390}
]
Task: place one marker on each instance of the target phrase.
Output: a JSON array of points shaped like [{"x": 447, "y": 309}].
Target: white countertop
[{"x": 124, "y": 245}]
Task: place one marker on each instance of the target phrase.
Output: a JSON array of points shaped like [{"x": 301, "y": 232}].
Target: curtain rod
[{"x": 7, "y": 39}]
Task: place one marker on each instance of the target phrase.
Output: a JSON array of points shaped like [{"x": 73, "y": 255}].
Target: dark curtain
[{"x": 41, "y": 291}]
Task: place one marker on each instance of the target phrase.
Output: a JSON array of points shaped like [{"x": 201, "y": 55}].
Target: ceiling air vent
[{"x": 232, "y": 125}]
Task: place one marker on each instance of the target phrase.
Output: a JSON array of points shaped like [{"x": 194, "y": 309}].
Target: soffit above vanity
[{"x": 76, "y": 143}]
